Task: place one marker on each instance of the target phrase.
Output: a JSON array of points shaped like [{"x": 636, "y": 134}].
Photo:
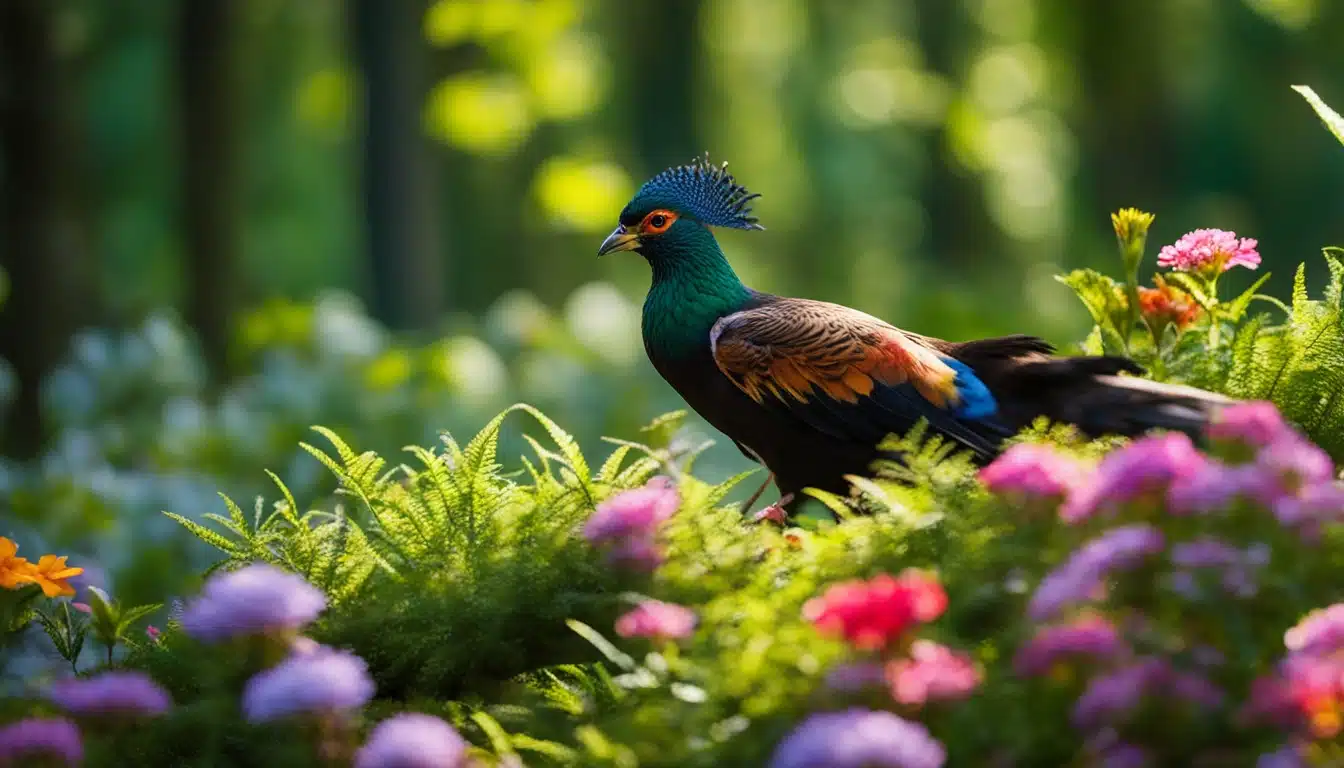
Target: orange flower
[
  {"x": 51, "y": 573},
  {"x": 1167, "y": 305},
  {"x": 14, "y": 571}
]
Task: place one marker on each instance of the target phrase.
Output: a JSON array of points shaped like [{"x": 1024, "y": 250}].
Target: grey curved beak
[{"x": 619, "y": 240}]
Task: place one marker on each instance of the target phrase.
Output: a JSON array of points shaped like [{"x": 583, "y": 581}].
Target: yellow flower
[
  {"x": 51, "y": 572},
  {"x": 14, "y": 571},
  {"x": 1131, "y": 223}
]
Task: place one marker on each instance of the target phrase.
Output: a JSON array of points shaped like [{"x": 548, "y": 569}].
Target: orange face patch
[{"x": 657, "y": 222}]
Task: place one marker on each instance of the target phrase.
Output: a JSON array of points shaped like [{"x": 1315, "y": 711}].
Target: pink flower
[
  {"x": 638, "y": 554},
  {"x": 1320, "y": 632},
  {"x": 1311, "y": 506},
  {"x": 656, "y": 619},
  {"x": 1289, "y": 464},
  {"x": 1087, "y": 636},
  {"x": 81, "y": 607},
  {"x": 1209, "y": 251},
  {"x": 1144, "y": 467},
  {"x": 872, "y": 614},
  {"x": 153, "y": 633},
  {"x": 932, "y": 673},
  {"x": 1306, "y": 693},
  {"x": 1034, "y": 471},
  {"x": 1255, "y": 424},
  {"x": 632, "y": 514}
]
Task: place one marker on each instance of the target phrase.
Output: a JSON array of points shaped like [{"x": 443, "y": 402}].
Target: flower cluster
[
  {"x": 1158, "y": 519},
  {"x": 50, "y": 572},
  {"x": 876, "y": 617},
  {"x": 115, "y": 694},
  {"x": 41, "y": 740},
  {"x": 627, "y": 524},
  {"x": 1209, "y": 252},
  {"x": 1305, "y": 693}
]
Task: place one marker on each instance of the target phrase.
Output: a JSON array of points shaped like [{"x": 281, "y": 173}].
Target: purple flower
[
  {"x": 1147, "y": 465},
  {"x": 256, "y": 599},
  {"x": 1081, "y": 576},
  {"x": 1209, "y": 252},
  {"x": 1116, "y": 693},
  {"x": 1087, "y": 636},
  {"x": 1288, "y": 465},
  {"x": 325, "y": 680},
  {"x": 1112, "y": 697},
  {"x": 1211, "y": 488},
  {"x": 413, "y": 740},
  {"x": 1287, "y": 756},
  {"x": 1205, "y": 552},
  {"x": 24, "y": 742},
  {"x": 1313, "y": 505},
  {"x": 1032, "y": 470},
  {"x": 1253, "y": 424},
  {"x": 1319, "y": 632},
  {"x": 111, "y": 693},
  {"x": 855, "y": 676},
  {"x": 631, "y": 514},
  {"x": 656, "y": 619},
  {"x": 636, "y": 554},
  {"x": 932, "y": 673},
  {"x": 858, "y": 738}
]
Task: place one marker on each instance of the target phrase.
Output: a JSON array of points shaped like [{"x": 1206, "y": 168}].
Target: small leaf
[
  {"x": 604, "y": 646},
  {"x": 1235, "y": 308},
  {"x": 1330, "y": 117}
]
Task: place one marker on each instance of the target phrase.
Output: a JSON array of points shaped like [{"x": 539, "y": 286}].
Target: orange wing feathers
[{"x": 794, "y": 347}]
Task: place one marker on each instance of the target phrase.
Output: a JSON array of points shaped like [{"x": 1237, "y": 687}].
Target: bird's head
[{"x": 671, "y": 214}]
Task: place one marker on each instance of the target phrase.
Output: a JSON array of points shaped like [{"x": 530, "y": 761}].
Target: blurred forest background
[{"x": 223, "y": 221}]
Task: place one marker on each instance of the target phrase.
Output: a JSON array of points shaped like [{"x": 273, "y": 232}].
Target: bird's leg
[{"x": 746, "y": 507}]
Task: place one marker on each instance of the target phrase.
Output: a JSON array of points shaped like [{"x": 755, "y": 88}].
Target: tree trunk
[
  {"x": 210, "y": 162},
  {"x": 658, "y": 63},
  {"x": 397, "y": 181},
  {"x": 38, "y": 238}
]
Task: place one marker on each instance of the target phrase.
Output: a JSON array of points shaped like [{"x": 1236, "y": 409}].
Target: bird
[{"x": 809, "y": 389}]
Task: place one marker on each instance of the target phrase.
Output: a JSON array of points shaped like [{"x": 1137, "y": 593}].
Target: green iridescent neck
[{"x": 693, "y": 286}]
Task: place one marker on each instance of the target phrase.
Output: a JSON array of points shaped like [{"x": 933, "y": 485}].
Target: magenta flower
[
  {"x": 256, "y": 599},
  {"x": 153, "y": 633},
  {"x": 35, "y": 739},
  {"x": 858, "y": 738},
  {"x": 1319, "y": 632},
  {"x": 656, "y": 619},
  {"x": 1146, "y": 466},
  {"x": 1209, "y": 251},
  {"x": 1033, "y": 471},
  {"x": 110, "y": 693},
  {"x": 1254, "y": 424},
  {"x": 1081, "y": 576},
  {"x": 81, "y": 607},
  {"x": 1089, "y": 637},
  {"x": 413, "y": 740},
  {"x": 631, "y": 514},
  {"x": 320, "y": 681},
  {"x": 932, "y": 673}
]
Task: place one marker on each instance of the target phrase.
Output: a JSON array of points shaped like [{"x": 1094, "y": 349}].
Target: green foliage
[
  {"x": 447, "y": 574},
  {"x": 1330, "y": 117}
]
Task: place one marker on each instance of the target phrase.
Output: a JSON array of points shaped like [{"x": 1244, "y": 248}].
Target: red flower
[{"x": 873, "y": 614}]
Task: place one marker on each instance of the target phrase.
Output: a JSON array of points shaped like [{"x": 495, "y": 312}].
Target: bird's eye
[{"x": 657, "y": 222}]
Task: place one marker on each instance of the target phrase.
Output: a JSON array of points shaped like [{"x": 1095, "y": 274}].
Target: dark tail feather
[{"x": 1127, "y": 405}]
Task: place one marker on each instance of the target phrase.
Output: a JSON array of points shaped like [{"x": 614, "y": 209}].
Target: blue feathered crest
[{"x": 703, "y": 190}]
